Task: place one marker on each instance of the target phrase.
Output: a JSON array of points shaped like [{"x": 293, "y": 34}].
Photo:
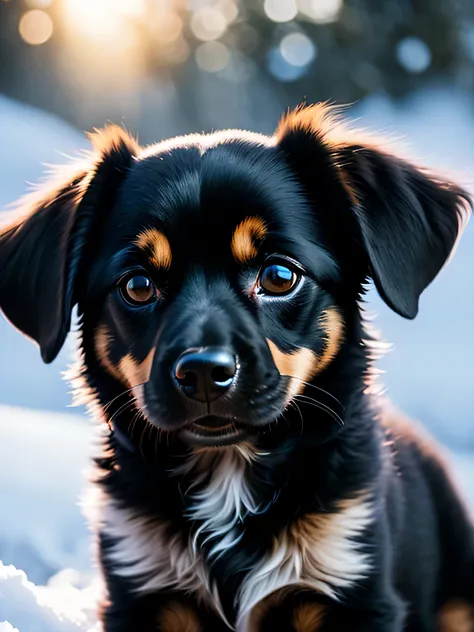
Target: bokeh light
[
  {"x": 208, "y": 23},
  {"x": 281, "y": 69},
  {"x": 281, "y": 10},
  {"x": 212, "y": 56},
  {"x": 413, "y": 54},
  {"x": 229, "y": 10},
  {"x": 321, "y": 11},
  {"x": 297, "y": 49},
  {"x": 39, "y": 4},
  {"x": 36, "y": 27},
  {"x": 167, "y": 26},
  {"x": 175, "y": 52},
  {"x": 468, "y": 40}
]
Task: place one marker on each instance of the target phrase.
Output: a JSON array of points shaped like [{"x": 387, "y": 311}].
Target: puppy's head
[{"x": 214, "y": 273}]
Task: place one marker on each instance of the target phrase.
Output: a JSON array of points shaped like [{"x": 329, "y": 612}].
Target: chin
[{"x": 215, "y": 432}]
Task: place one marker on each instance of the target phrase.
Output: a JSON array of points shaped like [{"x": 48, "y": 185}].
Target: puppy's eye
[
  {"x": 276, "y": 279},
  {"x": 138, "y": 290}
]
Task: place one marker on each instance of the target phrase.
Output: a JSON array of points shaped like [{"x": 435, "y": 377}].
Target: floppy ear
[
  {"x": 42, "y": 248},
  {"x": 406, "y": 219}
]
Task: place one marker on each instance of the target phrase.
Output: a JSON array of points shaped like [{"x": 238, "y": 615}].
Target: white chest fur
[{"x": 317, "y": 550}]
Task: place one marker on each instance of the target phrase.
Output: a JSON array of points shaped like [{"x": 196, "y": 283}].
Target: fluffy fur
[{"x": 303, "y": 503}]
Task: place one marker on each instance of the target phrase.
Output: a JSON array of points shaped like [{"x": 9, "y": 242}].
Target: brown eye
[
  {"x": 276, "y": 279},
  {"x": 138, "y": 290}
]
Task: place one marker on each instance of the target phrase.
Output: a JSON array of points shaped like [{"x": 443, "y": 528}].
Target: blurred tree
[{"x": 339, "y": 50}]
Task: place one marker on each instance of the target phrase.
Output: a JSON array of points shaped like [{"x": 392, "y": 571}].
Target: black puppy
[{"x": 249, "y": 477}]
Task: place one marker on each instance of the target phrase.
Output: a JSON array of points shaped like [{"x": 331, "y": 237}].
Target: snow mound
[
  {"x": 6, "y": 627},
  {"x": 43, "y": 457},
  {"x": 60, "y": 606}
]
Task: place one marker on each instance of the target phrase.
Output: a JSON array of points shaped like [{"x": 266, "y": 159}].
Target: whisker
[
  {"x": 318, "y": 388},
  {"x": 293, "y": 403},
  {"x": 121, "y": 409},
  {"x": 106, "y": 406},
  {"x": 157, "y": 438},
  {"x": 286, "y": 420},
  {"x": 125, "y": 392},
  {"x": 133, "y": 423},
  {"x": 140, "y": 443},
  {"x": 313, "y": 402}
]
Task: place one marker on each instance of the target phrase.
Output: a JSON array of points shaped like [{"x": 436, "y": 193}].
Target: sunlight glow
[{"x": 102, "y": 19}]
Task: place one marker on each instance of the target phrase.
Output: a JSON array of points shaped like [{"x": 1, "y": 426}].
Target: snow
[
  {"x": 43, "y": 463},
  {"x": 43, "y": 454},
  {"x": 58, "y": 607},
  {"x": 43, "y": 457}
]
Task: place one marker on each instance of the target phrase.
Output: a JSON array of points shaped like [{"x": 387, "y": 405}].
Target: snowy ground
[
  {"x": 43, "y": 454},
  {"x": 43, "y": 530}
]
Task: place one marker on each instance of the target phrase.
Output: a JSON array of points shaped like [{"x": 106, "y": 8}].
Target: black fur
[{"x": 344, "y": 211}]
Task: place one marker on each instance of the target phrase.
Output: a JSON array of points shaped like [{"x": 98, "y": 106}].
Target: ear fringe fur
[
  {"x": 58, "y": 180},
  {"x": 325, "y": 121}
]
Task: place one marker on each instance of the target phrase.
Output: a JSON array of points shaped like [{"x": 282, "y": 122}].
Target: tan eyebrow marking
[
  {"x": 157, "y": 247},
  {"x": 304, "y": 364},
  {"x": 249, "y": 231}
]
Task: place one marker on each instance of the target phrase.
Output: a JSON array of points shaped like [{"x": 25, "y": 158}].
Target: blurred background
[{"x": 167, "y": 67}]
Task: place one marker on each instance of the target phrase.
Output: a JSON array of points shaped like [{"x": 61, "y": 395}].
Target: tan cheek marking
[
  {"x": 304, "y": 364},
  {"x": 102, "y": 341},
  {"x": 299, "y": 365},
  {"x": 308, "y": 618},
  {"x": 156, "y": 246},
  {"x": 177, "y": 618},
  {"x": 456, "y": 616},
  {"x": 332, "y": 324},
  {"x": 249, "y": 231},
  {"x": 134, "y": 372}
]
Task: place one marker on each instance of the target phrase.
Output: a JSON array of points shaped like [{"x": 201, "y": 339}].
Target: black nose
[{"x": 206, "y": 374}]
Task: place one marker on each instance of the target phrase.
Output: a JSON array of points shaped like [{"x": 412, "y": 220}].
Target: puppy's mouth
[{"x": 211, "y": 430}]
